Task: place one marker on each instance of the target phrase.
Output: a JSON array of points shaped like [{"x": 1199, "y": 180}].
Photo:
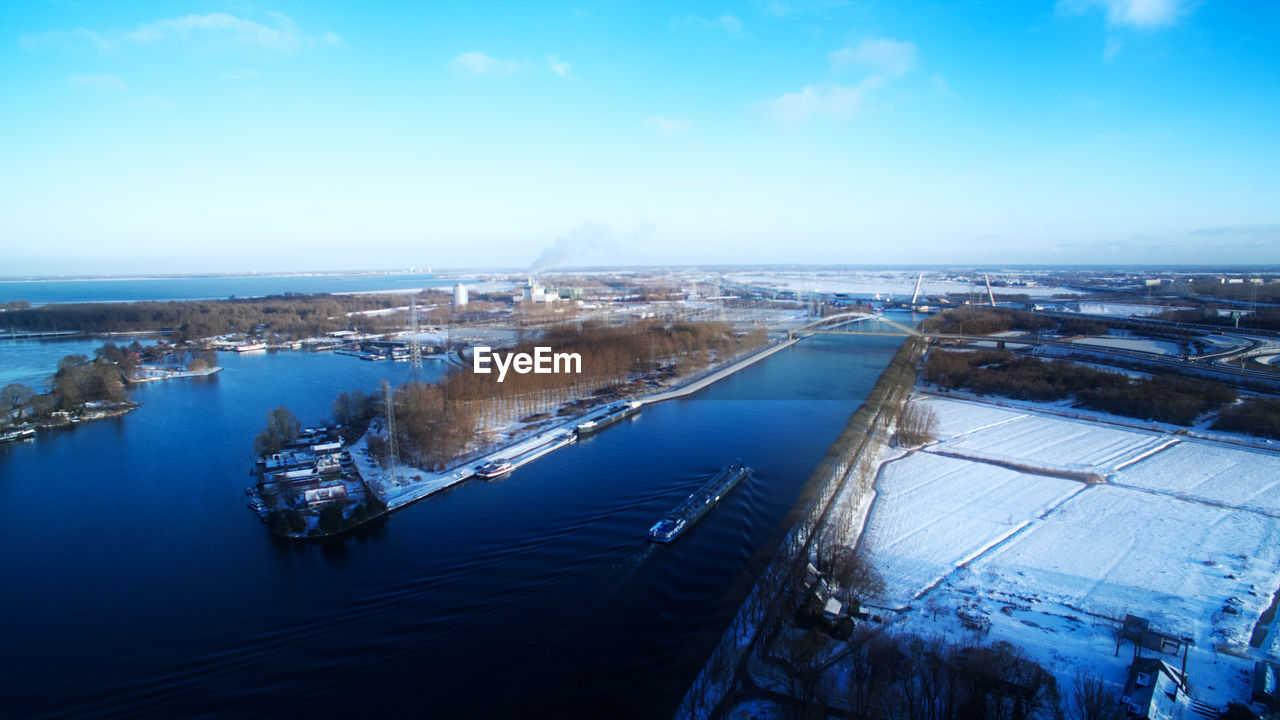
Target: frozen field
[
  {"x": 898, "y": 284},
  {"x": 1112, "y": 551},
  {"x": 933, "y": 513},
  {"x": 1158, "y": 347},
  {"x": 1231, "y": 476},
  {"x": 956, "y": 417},
  {"x": 1056, "y": 444},
  {"x": 1051, "y": 564}
]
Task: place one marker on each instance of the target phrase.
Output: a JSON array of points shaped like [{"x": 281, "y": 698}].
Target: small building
[
  {"x": 1139, "y": 631},
  {"x": 831, "y": 610},
  {"x": 1155, "y": 691},
  {"x": 324, "y": 493}
]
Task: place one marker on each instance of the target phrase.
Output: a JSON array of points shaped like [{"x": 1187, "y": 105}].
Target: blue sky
[{"x": 174, "y": 136}]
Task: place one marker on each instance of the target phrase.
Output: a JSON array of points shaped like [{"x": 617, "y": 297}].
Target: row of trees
[
  {"x": 1255, "y": 416},
  {"x": 907, "y": 677},
  {"x": 1163, "y": 398},
  {"x": 1265, "y": 318},
  {"x": 128, "y": 357},
  {"x": 290, "y": 315},
  {"x": 437, "y": 423}
]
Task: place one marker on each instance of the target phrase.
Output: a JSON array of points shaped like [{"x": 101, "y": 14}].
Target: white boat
[
  {"x": 494, "y": 469},
  {"x": 18, "y": 435},
  {"x": 251, "y": 347}
]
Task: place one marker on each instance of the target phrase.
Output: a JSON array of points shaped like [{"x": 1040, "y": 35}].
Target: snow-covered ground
[
  {"x": 1111, "y": 551},
  {"x": 897, "y": 284},
  {"x": 1056, "y": 444},
  {"x": 1157, "y": 347},
  {"x": 959, "y": 418},
  {"x": 1237, "y": 477},
  {"x": 1125, "y": 309},
  {"x": 933, "y": 513},
  {"x": 1184, "y": 532}
]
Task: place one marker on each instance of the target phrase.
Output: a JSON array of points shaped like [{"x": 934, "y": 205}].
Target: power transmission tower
[
  {"x": 415, "y": 346},
  {"x": 393, "y": 452}
]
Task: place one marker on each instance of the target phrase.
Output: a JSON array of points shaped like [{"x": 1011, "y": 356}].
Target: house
[
  {"x": 1139, "y": 631},
  {"x": 1155, "y": 691}
]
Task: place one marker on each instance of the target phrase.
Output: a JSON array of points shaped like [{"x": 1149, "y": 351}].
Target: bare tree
[
  {"x": 801, "y": 657},
  {"x": 853, "y": 571},
  {"x": 917, "y": 425},
  {"x": 1091, "y": 700}
]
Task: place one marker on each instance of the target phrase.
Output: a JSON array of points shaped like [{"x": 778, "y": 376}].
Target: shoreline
[{"x": 411, "y": 485}]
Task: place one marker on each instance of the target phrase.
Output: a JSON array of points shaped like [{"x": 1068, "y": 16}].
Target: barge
[
  {"x": 17, "y": 435},
  {"x": 611, "y": 415},
  {"x": 692, "y": 509}
]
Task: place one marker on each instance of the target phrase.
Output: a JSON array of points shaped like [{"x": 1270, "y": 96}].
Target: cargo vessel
[
  {"x": 692, "y": 509},
  {"x": 609, "y": 416}
]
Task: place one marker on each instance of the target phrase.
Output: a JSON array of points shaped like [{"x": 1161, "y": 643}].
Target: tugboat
[
  {"x": 698, "y": 504},
  {"x": 494, "y": 469}
]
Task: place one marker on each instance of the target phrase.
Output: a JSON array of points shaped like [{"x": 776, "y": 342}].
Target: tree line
[
  {"x": 437, "y": 423},
  {"x": 1161, "y": 397},
  {"x": 290, "y": 315}
]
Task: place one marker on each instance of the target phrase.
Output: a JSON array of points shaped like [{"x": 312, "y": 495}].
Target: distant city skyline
[{"x": 180, "y": 138}]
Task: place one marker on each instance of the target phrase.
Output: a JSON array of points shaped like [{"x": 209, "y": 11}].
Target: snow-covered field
[
  {"x": 1056, "y": 444},
  {"x": 958, "y": 418},
  {"x": 933, "y": 513},
  {"x": 1157, "y": 347},
  {"x": 1125, "y": 309},
  {"x": 897, "y": 284},
  {"x": 1237, "y": 477},
  {"x": 1113, "y": 550},
  {"x": 1184, "y": 532}
]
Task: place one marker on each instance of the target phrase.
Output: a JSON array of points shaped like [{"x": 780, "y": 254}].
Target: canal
[{"x": 136, "y": 583}]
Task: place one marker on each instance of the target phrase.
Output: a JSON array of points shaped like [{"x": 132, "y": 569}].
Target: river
[{"x": 137, "y": 583}]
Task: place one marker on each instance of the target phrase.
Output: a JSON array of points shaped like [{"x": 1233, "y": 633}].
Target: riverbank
[
  {"x": 402, "y": 486},
  {"x": 88, "y": 412},
  {"x": 843, "y": 470}
]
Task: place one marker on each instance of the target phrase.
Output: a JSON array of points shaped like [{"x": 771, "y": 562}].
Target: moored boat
[
  {"x": 494, "y": 469},
  {"x": 611, "y": 415},
  {"x": 17, "y": 434}
]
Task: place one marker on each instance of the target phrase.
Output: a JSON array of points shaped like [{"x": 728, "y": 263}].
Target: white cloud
[
  {"x": 1112, "y": 49},
  {"x": 884, "y": 56},
  {"x": 213, "y": 30},
  {"x": 479, "y": 63},
  {"x": 724, "y": 23},
  {"x": 104, "y": 82},
  {"x": 666, "y": 125},
  {"x": 558, "y": 66},
  {"x": 1142, "y": 14},
  {"x": 828, "y": 100}
]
